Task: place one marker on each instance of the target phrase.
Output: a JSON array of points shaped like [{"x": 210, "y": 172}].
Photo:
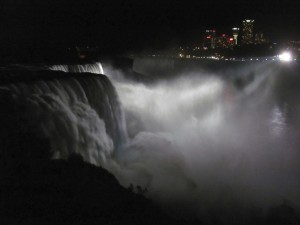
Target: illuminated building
[
  {"x": 247, "y": 35},
  {"x": 235, "y": 33},
  {"x": 210, "y": 39}
]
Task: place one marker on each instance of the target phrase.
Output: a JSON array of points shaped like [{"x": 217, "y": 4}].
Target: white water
[
  {"x": 86, "y": 68},
  {"x": 77, "y": 115},
  {"x": 197, "y": 142}
]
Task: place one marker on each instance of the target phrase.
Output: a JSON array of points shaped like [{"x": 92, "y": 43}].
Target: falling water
[
  {"x": 86, "y": 68},
  {"x": 219, "y": 144},
  {"x": 77, "y": 114}
]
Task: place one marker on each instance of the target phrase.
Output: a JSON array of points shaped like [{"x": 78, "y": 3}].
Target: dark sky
[{"x": 132, "y": 24}]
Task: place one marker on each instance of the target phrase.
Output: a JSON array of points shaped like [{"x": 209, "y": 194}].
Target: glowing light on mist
[
  {"x": 206, "y": 89},
  {"x": 285, "y": 56},
  {"x": 199, "y": 136},
  {"x": 277, "y": 122},
  {"x": 180, "y": 100}
]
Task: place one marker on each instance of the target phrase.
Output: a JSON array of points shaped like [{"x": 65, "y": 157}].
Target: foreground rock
[{"x": 69, "y": 192}]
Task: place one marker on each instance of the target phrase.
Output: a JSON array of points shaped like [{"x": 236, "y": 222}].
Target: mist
[{"x": 215, "y": 144}]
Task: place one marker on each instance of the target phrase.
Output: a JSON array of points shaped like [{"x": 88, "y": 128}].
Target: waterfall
[
  {"x": 218, "y": 143},
  {"x": 75, "y": 113},
  {"x": 85, "y": 68}
]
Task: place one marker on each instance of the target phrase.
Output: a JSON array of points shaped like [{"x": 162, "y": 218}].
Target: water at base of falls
[{"x": 215, "y": 144}]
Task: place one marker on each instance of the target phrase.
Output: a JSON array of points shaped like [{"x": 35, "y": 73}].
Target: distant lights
[
  {"x": 220, "y": 57},
  {"x": 285, "y": 56}
]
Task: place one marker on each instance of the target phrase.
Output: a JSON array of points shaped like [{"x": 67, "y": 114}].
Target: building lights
[
  {"x": 235, "y": 34},
  {"x": 247, "y": 37}
]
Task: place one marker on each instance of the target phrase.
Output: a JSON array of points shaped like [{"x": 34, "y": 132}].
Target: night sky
[{"x": 133, "y": 24}]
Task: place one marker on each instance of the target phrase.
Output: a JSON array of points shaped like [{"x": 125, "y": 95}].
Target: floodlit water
[
  {"x": 215, "y": 144},
  {"x": 220, "y": 143}
]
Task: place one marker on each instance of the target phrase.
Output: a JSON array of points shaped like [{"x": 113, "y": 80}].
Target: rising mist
[{"x": 222, "y": 145}]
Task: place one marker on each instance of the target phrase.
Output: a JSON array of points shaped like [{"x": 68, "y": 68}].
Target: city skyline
[
  {"x": 246, "y": 34},
  {"x": 134, "y": 25}
]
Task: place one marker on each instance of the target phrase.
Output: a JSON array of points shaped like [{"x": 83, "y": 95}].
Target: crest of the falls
[
  {"x": 85, "y": 68},
  {"x": 76, "y": 113}
]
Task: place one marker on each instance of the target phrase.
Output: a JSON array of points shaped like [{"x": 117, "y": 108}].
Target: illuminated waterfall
[
  {"x": 211, "y": 141},
  {"x": 78, "y": 114},
  {"x": 85, "y": 68}
]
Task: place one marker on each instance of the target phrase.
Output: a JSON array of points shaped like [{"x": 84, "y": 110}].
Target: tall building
[
  {"x": 210, "y": 38},
  {"x": 235, "y": 34},
  {"x": 247, "y": 35}
]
